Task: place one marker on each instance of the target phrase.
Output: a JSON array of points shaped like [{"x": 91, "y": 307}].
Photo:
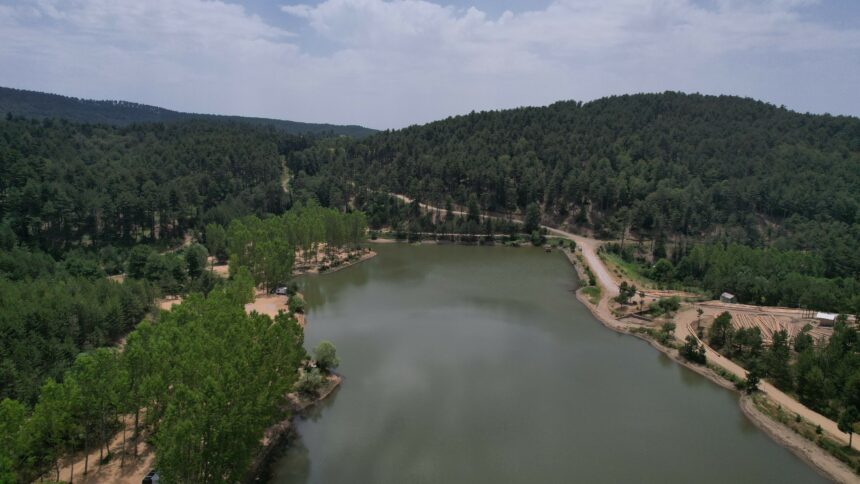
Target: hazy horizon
[{"x": 389, "y": 64}]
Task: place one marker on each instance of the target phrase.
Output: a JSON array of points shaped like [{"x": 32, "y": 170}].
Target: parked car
[
  {"x": 151, "y": 477},
  {"x": 281, "y": 291}
]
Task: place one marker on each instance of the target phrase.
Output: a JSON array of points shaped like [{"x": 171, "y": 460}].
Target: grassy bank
[
  {"x": 813, "y": 433},
  {"x": 593, "y": 293}
]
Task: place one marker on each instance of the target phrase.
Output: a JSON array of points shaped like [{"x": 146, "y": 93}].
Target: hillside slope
[
  {"x": 39, "y": 105},
  {"x": 673, "y": 167}
]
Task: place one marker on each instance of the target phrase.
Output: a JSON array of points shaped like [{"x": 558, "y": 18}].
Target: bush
[
  {"x": 665, "y": 305},
  {"x": 325, "y": 355},
  {"x": 667, "y": 331},
  {"x": 296, "y": 305},
  {"x": 310, "y": 382},
  {"x": 693, "y": 351}
]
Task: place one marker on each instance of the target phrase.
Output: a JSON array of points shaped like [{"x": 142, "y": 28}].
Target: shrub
[
  {"x": 325, "y": 355},
  {"x": 310, "y": 382},
  {"x": 297, "y": 305}
]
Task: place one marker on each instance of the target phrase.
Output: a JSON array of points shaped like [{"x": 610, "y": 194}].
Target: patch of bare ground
[{"x": 122, "y": 467}]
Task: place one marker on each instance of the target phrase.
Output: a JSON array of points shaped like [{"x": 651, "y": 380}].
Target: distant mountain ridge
[{"x": 40, "y": 105}]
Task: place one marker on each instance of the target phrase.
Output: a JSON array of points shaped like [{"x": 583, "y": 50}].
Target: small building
[
  {"x": 728, "y": 298},
  {"x": 826, "y": 319}
]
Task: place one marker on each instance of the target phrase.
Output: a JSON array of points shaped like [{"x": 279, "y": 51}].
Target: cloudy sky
[{"x": 387, "y": 64}]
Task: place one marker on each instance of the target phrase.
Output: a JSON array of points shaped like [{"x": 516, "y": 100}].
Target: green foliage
[
  {"x": 296, "y": 304},
  {"x": 665, "y": 305},
  {"x": 774, "y": 277},
  {"x": 625, "y": 292},
  {"x": 267, "y": 247},
  {"x": 310, "y": 382},
  {"x": 693, "y": 351},
  {"x": 384, "y": 210},
  {"x": 593, "y": 293},
  {"x": 721, "y": 331},
  {"x": 750, "y": 386},
  {"x": 209, "y": 427},
  {"x": 777, "y": 361},
  {"x": 46, "y": 322},
  {"x": 12, "y": 418},
  {"x": 847, "y": 419},
  {"x": 531, "y": 222},
  {"x": 325, "y": 355},
  {"x": 803, "y": 340},
  {"x": 196, "y": 257},
  {"x": 666, "y": 334},
  {"x": 674, "y": 168},
  {"x": 216, "y": 240},
  {"x": 40, "y": 105},
  {"x": 68, "y": 185},
  {"x": 662, "y": 271}
]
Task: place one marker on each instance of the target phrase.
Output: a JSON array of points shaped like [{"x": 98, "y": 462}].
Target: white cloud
[{"x": 402, "y": 61}]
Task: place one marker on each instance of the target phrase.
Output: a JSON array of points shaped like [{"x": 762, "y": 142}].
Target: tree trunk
[
  {"x": 101, "y": 439},
  {"x": 72, "y": 471},
  {"x": 122, "y": 461},
  {"x": 86, "y": 451},
  {"x": 136, "y": 420}
]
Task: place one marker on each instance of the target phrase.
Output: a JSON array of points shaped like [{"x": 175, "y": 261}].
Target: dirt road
[
  {"x": 587, "y": 245},
  {"x": 684, "y": 322}
]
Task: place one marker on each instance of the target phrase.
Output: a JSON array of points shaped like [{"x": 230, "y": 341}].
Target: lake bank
[
  {"x": 805, "y": 449},
  {"x": 432, "y": 334}
]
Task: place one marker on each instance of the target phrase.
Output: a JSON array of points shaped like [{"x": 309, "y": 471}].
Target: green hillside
[
  {"x": 680, "y": 169},
  {"x": 39, "y": 105}
]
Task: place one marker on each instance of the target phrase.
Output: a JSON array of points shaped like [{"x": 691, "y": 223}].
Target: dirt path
[
  {"x": 684, "y": 322},
  {"x": 132, "y": 470},
  {"x": 587, "y": 245}
]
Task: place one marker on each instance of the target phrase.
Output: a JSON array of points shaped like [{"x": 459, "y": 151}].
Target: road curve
[{"x": 587, "y": 245}]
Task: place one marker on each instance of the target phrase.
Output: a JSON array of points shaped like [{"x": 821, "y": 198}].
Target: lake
[{"x": 478, "y": 365}]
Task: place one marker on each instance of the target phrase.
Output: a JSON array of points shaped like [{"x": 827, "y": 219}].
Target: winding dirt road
[
  {"x": 684, "y": 328},
  {"x": 589, "y": 247}
]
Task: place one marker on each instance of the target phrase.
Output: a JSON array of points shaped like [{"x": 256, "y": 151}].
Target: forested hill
[
  {"x": 39, "y": 105},
  {"x": 671, "y": 167},
  {"x": 65, "y": 185},
  {"x": 660, "y": 162}
]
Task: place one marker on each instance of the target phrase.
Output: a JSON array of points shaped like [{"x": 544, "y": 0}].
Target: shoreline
[
  {"x": 370, "y": 254},
  {"x": 821, "y": 460},
  {"x": 806, "y": 450},
  {"x": 276, "y": 438}
]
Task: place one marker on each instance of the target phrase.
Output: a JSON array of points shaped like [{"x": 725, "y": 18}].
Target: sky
[{"x": 392, "y": 63}]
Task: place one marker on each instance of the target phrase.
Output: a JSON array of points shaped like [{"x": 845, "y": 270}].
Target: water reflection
[{"x": 468, "y": 364}]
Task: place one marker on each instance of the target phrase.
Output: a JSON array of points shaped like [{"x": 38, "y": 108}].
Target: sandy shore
[
  {"x": 807, "y": 450},
  {"x": 365, "y": 256}
]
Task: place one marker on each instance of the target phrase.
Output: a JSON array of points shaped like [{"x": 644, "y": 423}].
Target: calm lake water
[{"x": 478, "y": 365}]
